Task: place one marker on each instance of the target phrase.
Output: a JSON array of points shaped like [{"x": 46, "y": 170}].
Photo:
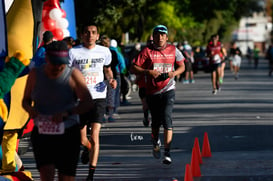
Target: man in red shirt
[{"x": 157, "y": 63}]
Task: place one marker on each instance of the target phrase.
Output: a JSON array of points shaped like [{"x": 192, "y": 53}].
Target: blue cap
[{"x": 161, "y": 29}]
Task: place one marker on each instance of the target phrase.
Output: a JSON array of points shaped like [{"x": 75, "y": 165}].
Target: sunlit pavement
[{"x": 238, "y": 121}]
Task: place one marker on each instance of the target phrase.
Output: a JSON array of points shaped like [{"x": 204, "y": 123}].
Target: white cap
[
  {"x": 113, "y": 43},
  {"x": 138, "y": 46},
  {"x": 187, "y": 47}
]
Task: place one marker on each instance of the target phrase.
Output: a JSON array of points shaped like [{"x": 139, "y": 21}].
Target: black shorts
[
  {"x": 214, "y": 67},
  {"x": 142, "y": 92},
  {"x": 95, "y": 115},
  {"x": 161, "y": 107},
  {"x": 61, "y": 150}
]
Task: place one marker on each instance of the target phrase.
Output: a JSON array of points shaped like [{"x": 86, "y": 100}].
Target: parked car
[{"x": 201, "y": 62}]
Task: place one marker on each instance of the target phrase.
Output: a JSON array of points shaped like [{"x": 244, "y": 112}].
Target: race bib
[
  {"x": 48, "y": 127},
  {"x": 217, "y": 58},
  {"x": 91, "y": 78},
  {"x": 163, "y": 67}
]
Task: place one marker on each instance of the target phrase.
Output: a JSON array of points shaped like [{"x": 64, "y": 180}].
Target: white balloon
[
  {"x": 62, "y": 23},
  {"x": 66, "y": 33},
  {"x": 55, "y": 13}
]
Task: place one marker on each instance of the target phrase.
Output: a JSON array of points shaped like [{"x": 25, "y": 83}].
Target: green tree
[{"x": 192, "y": 20}]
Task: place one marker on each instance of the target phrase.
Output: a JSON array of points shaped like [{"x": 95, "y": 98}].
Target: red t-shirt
[
  {"x": 160, "y": 60},
  {"x": 213, "y": 50}
]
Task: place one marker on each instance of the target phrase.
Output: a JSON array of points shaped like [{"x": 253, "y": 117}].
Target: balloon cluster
[{"x": 54, "y": 20}]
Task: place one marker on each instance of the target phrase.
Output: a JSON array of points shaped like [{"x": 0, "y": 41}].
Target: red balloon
[
  {"x": 49, "y": 24},
  {"x": 52, "y": 4},
  {"x": 46, "y": 7},
  {"x": 58, "y": 33},
  {"x": 45, "y": 14},
  {"x": 63, "y": 13}
]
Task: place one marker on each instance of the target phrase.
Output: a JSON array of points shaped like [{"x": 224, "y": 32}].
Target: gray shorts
[
  {"x": 236, "y": 61},
  {"x": 110, "y": 99}
]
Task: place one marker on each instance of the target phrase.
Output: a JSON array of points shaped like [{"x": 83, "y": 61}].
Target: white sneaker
[
  {"x": 167, "y": 158},
  {"x": 116, "y": 116},
  {"x": 156, "y": 148}
]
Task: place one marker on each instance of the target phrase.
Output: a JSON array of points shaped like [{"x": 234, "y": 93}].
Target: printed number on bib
[
  {"x": 91, "y": 78},
  {"x": 48, "y": 127},
  {"x": 163, "y": 67}
]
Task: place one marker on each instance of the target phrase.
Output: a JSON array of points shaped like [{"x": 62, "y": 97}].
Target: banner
[
  {"x": 69, "y": 8},
  {"x": 3, "y": 34}
]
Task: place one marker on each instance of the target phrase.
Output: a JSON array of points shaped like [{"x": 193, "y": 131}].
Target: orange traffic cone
[
  {"x": 188, "y": 174},
  {"x": 195, "y": 167},
  {"x": 196, "y": 145},
  {"x": 206, "y": 152}
]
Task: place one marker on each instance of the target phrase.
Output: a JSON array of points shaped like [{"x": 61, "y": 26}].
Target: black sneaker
[
  {"x": 167, "y": 158},
  {"x": 214, "y": 91},
  {"x": 146, "y": 122},
  {"x": 156, "y": 149},
  {"x": 89, "y": 178},
  {"x": 85, "y": 156}
]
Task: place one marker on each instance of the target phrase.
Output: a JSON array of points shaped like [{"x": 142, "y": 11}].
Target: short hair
[
  {"x": 47, "y": 36},
  {"x": 105, "y": 40},
  {"x": 86, "y": 24},
  {"x": 57, "y": 46},
  {"x": 69, "y": 40}
]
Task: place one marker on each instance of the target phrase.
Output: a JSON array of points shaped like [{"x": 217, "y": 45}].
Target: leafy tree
[{"x": 192, "y": 20}]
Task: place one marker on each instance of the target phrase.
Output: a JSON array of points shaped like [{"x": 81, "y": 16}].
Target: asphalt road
[{"x": 238, "y": 121}]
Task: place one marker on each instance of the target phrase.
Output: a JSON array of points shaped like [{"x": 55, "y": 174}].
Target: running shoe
[
  {"x": 85, "y": 156},
  {"x": 186, "y": 82},
  {"x": 167, "y": 158},
  {"x": 110, "y": 119},
  {"x": 192, "y": 81},
  {"x": 89, "y": 178},
  {"x": 116, "y": 116},
  {"x": 104, "y": 119},
  {"x": 156, "y": 149},
  {"x": 214, "y": 91},
  {"x": 146, "y": 122}
]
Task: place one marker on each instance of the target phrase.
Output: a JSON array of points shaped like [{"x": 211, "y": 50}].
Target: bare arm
[
  {"x": 139, "y": 70},
  {"x": 178, "y": 71},
  {"x": 109, "y": 76},
  {"x": 27, "y": 103}
]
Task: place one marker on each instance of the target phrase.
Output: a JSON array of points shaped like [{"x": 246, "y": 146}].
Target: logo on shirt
[
  {"x": 88, "y": 63},
  {"x": 82, "y": 61},
  {"x": 160, "y": 56}
]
